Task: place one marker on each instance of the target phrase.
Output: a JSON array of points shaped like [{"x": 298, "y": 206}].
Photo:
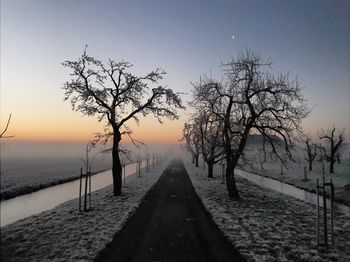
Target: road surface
[{"x": 171, "y": 224}]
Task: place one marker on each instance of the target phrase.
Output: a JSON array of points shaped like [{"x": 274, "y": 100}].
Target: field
[
  {"x": 293, "y": 174},
  {"x": 26, "y": 168},
  {"x": 65, "y": 234},
  {"x": 23, "y": 176},
  {"x": 266, "y": 225}
]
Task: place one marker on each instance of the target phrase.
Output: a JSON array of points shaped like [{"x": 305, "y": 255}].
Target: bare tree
[
  {"x": 322, "y": 158},
  {"x": 191, "y": 134},
  {"x": 262, "y": 157},
  {"x": 252, "y": 101},
  {"x": 87, "y": 159},
  {"x": 115, "y": 95},
  {"x": 211, "y": 140},
  {"x": 210, "y": 131},
  {"x": 311, "y": 154},
  {"x": 2, "y": 135},
  {"x": 334, "y": 142},
  {"x": 339, "y": 153}
]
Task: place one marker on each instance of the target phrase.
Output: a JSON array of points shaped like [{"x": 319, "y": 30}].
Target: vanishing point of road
[{"x": 171, "y": 224}]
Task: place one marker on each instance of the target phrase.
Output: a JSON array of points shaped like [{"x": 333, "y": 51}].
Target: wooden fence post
[
  {"x": 124, "y": 172},
  {"x": 80, "y": 185},
  {"x": 318, "y": 214},
  {"x": 90, "y": 187},
  {"x": 332, "y": 213}
]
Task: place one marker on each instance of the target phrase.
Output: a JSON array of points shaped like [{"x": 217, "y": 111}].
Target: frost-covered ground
[
  {"x": 265, "y": 225},
  {"x": 65, "y": 234},
  {"x": 294, "y": 175},
  {"x": 28, "y": 167},
  {"x": 25, "y": 175}
]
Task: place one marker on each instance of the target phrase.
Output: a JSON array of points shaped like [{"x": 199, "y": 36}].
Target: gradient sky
[{"x": 308, "y": 39}]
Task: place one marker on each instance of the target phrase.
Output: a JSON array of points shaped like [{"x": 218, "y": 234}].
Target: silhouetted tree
[
  {"x": 2, "y": 135},
  {"x": 262, "y": 157},
  {"x": 252, "y": 101},
  {"x": 322, "y": 157},
  {"x": 211, "y": 140},
  {"x": 191, "y": 134},
  {"x": 334, "y": 143},
  {"x": 210, "y": 131},
  {"x": 87, "y": 159},
  {"x": 110, "y": 91},
  {"x": 311, "y": 154},
  {"x": 210, "y": 134},
  {"x": 339, "y": 153}
]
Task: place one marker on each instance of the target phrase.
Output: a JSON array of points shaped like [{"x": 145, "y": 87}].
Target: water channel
[
  {"x": 26, "y": 205},
  {"x": 291, "y": 191}
]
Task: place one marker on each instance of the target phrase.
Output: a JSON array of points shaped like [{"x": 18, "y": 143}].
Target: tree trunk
[
  {"x": 116, "y": 165},
  {"x": 197, "y": 160},
  {"x": 262, "y": 165},
  {"x": 331, "y": 166},
  {"x": 231, "y": 182},
  {"x": 338, "y": 159},
  {"x": 310, "y": 165},
  {"x": 210, "y": 169},
  {"x": 193, "y": 159}
]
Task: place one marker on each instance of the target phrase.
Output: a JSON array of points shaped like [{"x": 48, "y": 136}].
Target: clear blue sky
[{"x": 310, "y": 39}]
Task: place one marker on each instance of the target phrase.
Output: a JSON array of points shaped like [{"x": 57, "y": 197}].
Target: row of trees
[
  {"x": 249, "y": 100},
  {"x": 252, "y": 101},
  {"x": 328, "y": 151}
]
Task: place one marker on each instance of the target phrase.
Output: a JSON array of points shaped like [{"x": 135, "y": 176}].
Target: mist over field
[
  {"x": 152, "y": 130},
  {"x": 33, "y": 164}
]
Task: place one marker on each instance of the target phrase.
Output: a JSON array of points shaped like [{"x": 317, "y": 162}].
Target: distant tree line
[{"x": 328, "y": 149}]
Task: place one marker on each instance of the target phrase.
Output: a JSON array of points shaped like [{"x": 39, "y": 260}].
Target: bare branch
[{"x": 2, "y": 135}]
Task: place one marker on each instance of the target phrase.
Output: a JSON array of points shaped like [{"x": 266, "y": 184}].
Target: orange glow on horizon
[{"x": 79, "y": 129}]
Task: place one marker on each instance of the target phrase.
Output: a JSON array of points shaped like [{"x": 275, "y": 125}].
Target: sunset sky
[{"x": 309, "y": 39}]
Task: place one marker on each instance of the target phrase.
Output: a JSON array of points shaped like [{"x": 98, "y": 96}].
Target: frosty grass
[
  {"x": 266, "y": 225},
  {"x": 65, "y": 234}
]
